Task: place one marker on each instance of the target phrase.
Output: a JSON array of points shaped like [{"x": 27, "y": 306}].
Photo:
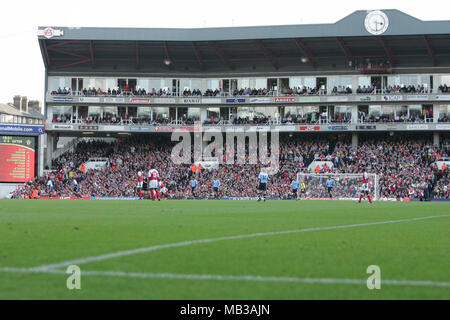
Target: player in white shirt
[
  {"x": 153, "y": 176},
  {"x": 365, "y": 189},
  {"x": 140, "y": 179}
]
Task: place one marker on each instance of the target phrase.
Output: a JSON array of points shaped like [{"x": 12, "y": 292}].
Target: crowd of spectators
[
  {"x": 404, "y": 167},
  {"x": 285, "y": 91}
]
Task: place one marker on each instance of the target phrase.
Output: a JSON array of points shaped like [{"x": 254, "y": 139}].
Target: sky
[{"x": 22, "y": 67}]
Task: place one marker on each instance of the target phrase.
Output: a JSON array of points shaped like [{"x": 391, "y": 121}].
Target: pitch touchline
[
  {"x": 229, "y": 277},
  {"x": 188, "y": 243}
]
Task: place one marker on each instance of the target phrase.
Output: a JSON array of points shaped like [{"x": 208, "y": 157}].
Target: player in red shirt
[
  {"x": 365, "y": 188},
  {"x": 162, "y": 190},
  {"x": 153, "y": 176}
]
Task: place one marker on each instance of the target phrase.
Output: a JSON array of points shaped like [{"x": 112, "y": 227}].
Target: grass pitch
[{"x": 317, "y": 263}]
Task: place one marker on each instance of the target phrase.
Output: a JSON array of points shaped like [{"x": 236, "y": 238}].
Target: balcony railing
[{"x": 271, "y": 93}]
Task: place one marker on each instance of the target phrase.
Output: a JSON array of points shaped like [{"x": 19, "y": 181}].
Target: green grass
[{"x": 35, "y": 233}]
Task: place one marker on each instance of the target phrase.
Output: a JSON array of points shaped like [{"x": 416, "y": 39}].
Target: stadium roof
[{"x": 407, "y": 42}]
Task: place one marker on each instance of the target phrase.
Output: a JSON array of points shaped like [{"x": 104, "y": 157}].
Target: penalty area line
[
  {"x": 193, "y": 242},
  {"x": 230, "y": 277}
]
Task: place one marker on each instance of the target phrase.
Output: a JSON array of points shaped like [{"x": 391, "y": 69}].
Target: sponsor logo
[
  {"x": 337, "y": 99},
  {"x": 114, "y": 100},
  {"x": 62, "y": 99},
  {"x": 445, "y": 98},
  {"x": 113, "y": 128},
  {"x": 63, "y": 126},
  {"x": 285, "y": 128},
  {"x": 164, "y": 100},
  {"x": 237, "y": 100},
  {"x": 140, "y": 128},
  {"x": 192, "y": 101},
  {"x": 211, "y": 100},
  {"x": 50, "y": 32},
  {"x": 83, "y": 99},
  {"x": 140, "y": 100},
  {"x": 309, "y": 128},
  {"x": 417, "y": 127},
  {"x": 393, "y": 98},
  {"x": 443, "y": 126},
  {"x": 417, "y": 97},
  {"x": 337, "y": 128},
  {"x": 19, "y": 129},
  {"x": 284, "y": 99},
  {"x": 309, "y": 99},
  {"x": 367, "y": 127},
  {"x": 260, "y": 100},
  {"x": 367, "y": 98},
  {"x": 84, "y": 127}
]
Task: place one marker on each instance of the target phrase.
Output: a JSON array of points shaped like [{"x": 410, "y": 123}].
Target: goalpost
[{"x": 348, "y": 185}]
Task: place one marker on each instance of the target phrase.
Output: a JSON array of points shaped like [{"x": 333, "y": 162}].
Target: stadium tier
[
  {"x": 407, "y": 166},
  {"x": 369, "y": 92}
]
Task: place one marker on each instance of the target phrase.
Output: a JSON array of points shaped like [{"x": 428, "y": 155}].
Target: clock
[{"x": 376, "y": 22}]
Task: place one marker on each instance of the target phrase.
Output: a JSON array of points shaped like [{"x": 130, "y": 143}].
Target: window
[
  {"x": 260, "y": 83},
  {"x": 339, "y": 81},
  {"x": 62, "y": 113},
  {"x": 54, "y": 83},
  {"x": 343, "y": 111},
  {"x": 415, "y": 111},
  {"x": 243, "y": 84},
  {"x": 143, "y": 112},
  {"x": 160, "y": 113},
  {"x": 364, "y": 81},
  {"x": 194, "y": 114},
  {"x": 295, "y": 82},
  {"x": 213, "y": 112},
  {"x": 212, "y": 84},
  {"x": 375, "y": 112},
  {"x": 94, "y": 111},
  {"x": 291, "y": 112},
  {"x": 310, "y": 82}
]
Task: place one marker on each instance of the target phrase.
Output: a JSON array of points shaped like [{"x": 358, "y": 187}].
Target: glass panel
[
  {"x": 444, "y": 113},
  {"x": 401, "y": 113},
  {"x": 94, "y": 111},
  {"x": 193, "y": 114},
  {"x": 310, "y": 114},
  {"x": 110, "y": 111},
  {"x": 364, "y": 81},
  {"x": 243, "y": 84},
  {"x": 212, "y": 84},
  {"x": 260, "y": 83},
  {"x": 160, "y": 114},
  {"x": 374, "y": 113},
  {"x": 62, "y": 113},
  {"x": 212, "y": 112},
  {"x": 59, "y": 84},
  {"x": 415, "y": 112},
  {"x": 291, "y": 112},
  {"x": 295, "y": 83},
  {"x": 310, "y": 83},
  {"x": 143, "y": 112}
]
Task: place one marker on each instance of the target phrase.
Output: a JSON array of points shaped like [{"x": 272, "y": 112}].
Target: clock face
[{"x": 376, "y": 22}]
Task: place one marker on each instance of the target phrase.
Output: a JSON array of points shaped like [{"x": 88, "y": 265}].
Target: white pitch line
[
  {"x": 245, "y": 236},
  {"x": 230, "y": 278}
]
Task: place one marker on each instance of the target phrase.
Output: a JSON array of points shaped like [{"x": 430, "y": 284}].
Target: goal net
[{"x": 347, "y": 186}]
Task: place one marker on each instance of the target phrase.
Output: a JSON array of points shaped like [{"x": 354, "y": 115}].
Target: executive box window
[
  {"x": 193, "y": 114},
  {"x": 212, "y": 114},
  {"x": 61, "y": 113},
  {"x": 444, "y": 114},
  {"x": 160, "y": 114}
]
